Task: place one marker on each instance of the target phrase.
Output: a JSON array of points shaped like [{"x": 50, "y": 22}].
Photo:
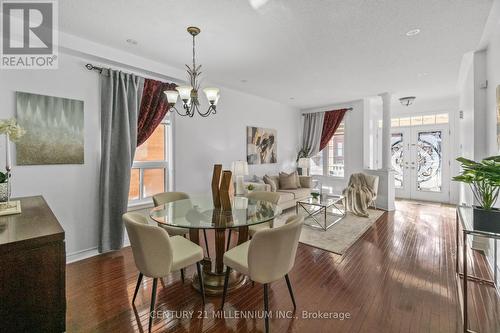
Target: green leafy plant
[
  {"x": 250, "y": 187},
  {"x": 3, "y": 177},
  {"x": 483, "y": 178},
  {"x": 302, "y": 153}
]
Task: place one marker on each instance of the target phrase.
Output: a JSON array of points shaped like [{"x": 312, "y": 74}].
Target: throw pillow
[
  {"x": 268, "y": 180},
  {"x": 306, "y": 181},
  {"x": 297, "y": 178},
  {"x": 288, "y": 181}
]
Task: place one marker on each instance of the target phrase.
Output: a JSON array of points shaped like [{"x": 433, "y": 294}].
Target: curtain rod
[
  {"x": 91, "y": 67},
  {"x": 348, "y": 109}
]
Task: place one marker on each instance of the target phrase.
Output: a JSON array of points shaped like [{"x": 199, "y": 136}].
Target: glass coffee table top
[{"x": 324, "y": 200}]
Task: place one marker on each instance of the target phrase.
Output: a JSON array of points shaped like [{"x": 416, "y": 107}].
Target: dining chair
[
  {"x": 166, "y": 197},
  {"x": 156, "y": 254},
  {"x": 267, "y": 257},
  {"x": 272, "y": 197}
]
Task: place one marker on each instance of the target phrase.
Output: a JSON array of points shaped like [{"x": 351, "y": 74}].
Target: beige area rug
[{"x": 340, "y": 236}]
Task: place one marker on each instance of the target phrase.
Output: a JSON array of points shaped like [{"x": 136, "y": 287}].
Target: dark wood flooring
[{"x": 399, "y": 277}]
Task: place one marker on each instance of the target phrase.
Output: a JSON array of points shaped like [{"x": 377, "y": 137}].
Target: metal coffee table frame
[{"x": 322, "y": 208}]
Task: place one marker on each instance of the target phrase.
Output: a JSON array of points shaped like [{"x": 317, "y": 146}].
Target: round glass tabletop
[{"x": 198, "y": 213}]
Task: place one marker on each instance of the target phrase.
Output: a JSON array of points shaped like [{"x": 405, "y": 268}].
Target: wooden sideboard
[{"x": 32, "y": 270}]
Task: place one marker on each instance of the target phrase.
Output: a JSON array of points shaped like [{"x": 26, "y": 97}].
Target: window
[
  {"x": 429, "y": 119},
  {"x": 150, "y": 172},
  {"x": 330, "y": 161}
]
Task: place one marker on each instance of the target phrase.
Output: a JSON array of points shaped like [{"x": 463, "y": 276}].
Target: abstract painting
[
  {"x": 54, "y": 130},
  {"x": 498, "y": 119},
  {"x": 261, "y": 145}
]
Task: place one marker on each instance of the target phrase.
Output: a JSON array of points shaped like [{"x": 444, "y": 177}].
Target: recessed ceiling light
[
  {"x": 132, "y": 41},
  {"x": 422, "y": 74},
  {"x": 413, "y": 32}
]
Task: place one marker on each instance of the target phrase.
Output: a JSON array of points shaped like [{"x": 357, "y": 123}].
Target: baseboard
[
  {"x": 88, "y": 253},
  {"x": 82, "y": 254}
]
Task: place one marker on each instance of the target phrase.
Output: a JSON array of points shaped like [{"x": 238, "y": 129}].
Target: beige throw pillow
[
  {"x": 288, "y": 181},
  {"x": 268, "y": 180},
  {"x": 297, "y": 178}
]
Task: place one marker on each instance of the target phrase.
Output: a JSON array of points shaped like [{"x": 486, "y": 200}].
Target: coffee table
[{"x": 313, "y": 207}]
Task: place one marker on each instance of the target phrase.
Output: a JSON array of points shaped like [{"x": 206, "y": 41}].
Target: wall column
[
  {"x": 386, "y": 191},
  {"x": 386, "y": 131}
]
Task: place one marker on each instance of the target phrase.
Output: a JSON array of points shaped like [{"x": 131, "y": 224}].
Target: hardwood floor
[{"x": 399, "y": 277}]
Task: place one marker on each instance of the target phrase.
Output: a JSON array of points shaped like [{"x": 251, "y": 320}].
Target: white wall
[
  {"x": 353, "y": 146},
  {"x": 478, "y": 130},
  {"x": 202, "y": 142},
  {"x": 72, "y": 190}
]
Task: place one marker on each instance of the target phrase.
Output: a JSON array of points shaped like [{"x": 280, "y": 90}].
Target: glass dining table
[{"x": 198, "y": 213}]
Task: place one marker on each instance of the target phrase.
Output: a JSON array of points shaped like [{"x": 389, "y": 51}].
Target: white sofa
[{"x": 288, "y": 198}]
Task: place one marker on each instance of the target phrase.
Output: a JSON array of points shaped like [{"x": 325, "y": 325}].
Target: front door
[{"x": 421, "y": 162}]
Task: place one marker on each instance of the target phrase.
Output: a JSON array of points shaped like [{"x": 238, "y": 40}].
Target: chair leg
[
  {"x": 206, "y": 242},
  {"x": 226, "y": 282},
  {"x": 228, "y": 240},
  {"x": 290, "y": 290},
  {"x": 266, "y": 306},
  {"x": 182, "y": 275},
  {"x": 139, "y": 280},
  {"x": 153, "y": 299},
  {"x": 200, "y": 281}
]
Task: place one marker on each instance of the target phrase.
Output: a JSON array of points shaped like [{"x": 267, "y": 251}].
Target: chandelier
[{"x": 189, "y": 94}]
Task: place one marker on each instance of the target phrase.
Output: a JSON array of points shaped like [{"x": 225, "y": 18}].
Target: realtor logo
[{"x": 29, "y": 35}]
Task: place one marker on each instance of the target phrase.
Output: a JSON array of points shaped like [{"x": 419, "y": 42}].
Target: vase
[
  {"x": 487, "y": 220},
  {"x": 4, "y": 192}
]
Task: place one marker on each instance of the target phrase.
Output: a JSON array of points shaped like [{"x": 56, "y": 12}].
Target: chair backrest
[
  {"x": 166, "y": 197},
  {"x": 150, "y": 245},
  {"x": 271, "y": 253},
  {"x": 272, "y": 197},
  {"x": 372, "y": 182}
]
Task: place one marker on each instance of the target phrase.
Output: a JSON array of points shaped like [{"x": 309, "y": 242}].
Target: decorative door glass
[
  {"x": 429, "y": 161},
  {"x": 397, "y": 158}
]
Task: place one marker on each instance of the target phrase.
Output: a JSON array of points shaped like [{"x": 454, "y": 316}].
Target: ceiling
[{"x": 301, "y": 53}]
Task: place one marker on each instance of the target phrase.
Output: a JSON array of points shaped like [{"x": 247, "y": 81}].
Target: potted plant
[
  {"x": 250, "y": 188},
  {"x": 4, "y": 187},
  {"x": 484, "y": 180}
]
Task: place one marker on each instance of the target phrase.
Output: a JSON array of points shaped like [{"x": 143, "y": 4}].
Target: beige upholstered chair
[
  {"x": 156, "y": 254},
  {"x": 272, "y": 197},
  {"x": 267, "y": 257},
  {"x": 166, "y": 197}
]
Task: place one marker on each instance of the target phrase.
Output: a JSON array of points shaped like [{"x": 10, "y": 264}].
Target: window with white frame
[
  {"x": 150, "y": 170},
  {"x": 330, "y": 161}
]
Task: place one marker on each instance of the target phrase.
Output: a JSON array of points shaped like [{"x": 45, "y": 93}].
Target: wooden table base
[{"x": 213, "y": 280}]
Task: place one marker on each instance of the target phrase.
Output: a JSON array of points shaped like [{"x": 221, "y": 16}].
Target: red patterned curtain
[
  {"x": 330, "y": 125},
  {"x": 154, "y": 107}
]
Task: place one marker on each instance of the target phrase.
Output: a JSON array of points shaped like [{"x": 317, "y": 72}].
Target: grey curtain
[
  {"x": 120, "y": 102},
  {"x": 311, "y": 134}
]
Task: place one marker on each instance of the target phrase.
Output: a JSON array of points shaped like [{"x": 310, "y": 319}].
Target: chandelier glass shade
[{"x": 189, "y": 93}]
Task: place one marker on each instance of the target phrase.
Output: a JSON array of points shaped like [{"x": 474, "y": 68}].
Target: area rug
[{"x": 340, "y": 236}]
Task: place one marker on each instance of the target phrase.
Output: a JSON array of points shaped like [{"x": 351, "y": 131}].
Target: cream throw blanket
[{"x": 358, "y": 195}]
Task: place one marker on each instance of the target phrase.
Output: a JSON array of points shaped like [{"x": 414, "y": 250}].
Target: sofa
[{"x": 288, "y": 198}]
